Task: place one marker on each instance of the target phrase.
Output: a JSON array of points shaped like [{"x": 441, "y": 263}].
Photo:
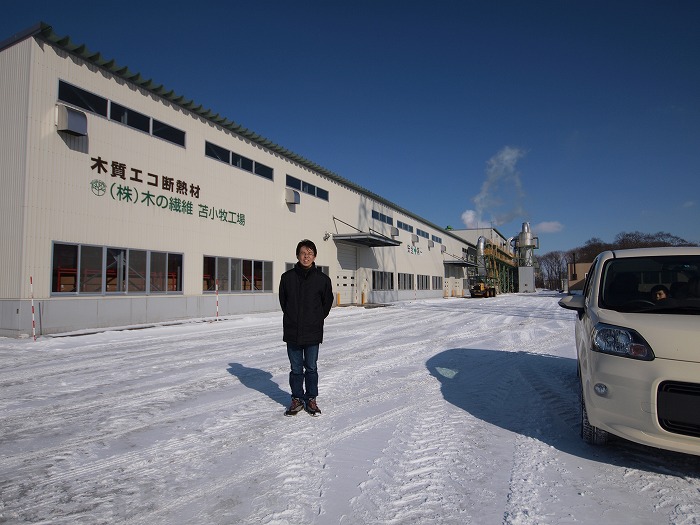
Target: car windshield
[{"x": 668, "y": 284}]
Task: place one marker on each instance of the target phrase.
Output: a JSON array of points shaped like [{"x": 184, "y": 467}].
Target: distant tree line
[{"x": 553, "y": 265}]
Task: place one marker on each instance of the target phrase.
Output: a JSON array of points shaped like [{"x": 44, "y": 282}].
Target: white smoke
[
  {"x": 501, "y": 192},
  {"x": 470, "y": 219}
]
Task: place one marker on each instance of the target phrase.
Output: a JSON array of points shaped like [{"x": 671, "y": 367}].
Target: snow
[{"x": 449, "y": 411}]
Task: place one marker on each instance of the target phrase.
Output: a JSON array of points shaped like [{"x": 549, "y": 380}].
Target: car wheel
[{"x": 590, "y": 434}]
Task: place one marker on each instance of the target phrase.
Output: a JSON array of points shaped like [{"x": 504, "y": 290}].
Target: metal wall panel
[
  {"x": 14, "y": 118},
  {"x": 48, "y": 196}
]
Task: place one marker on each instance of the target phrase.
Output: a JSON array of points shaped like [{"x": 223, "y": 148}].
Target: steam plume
[{"x": 501, "y": 192}]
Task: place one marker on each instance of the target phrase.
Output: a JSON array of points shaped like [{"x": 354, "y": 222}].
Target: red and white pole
[
  {"x": 217, "y": 299},
  {"x": 31, "y": 288}
]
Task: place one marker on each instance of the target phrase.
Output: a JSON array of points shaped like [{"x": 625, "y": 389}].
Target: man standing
[{"x": 306, "y": 297}]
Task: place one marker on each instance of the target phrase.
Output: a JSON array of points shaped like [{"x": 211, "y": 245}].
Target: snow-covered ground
[{"x": 439, "y": 411}]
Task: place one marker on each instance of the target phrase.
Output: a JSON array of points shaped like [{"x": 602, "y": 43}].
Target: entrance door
[{"x": 345, "y": 277}]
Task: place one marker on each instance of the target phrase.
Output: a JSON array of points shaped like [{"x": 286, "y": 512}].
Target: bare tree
[
  {"x": 552, "y": 269},
  {"x": 623, "y": 240},
  {"x": 647, "y": 240},
  {"x": 553, "y": 265}
]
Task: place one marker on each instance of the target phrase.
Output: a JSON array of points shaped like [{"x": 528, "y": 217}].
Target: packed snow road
[{"x": 451, "y": 411}]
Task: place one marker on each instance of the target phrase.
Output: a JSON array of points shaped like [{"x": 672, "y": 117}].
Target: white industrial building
[{"x": 125, "y": 204}]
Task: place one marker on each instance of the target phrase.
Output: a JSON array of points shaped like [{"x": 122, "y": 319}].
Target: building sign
[
  {"x": 413, "y": 250},
  {"x": 179, "y": 203}
]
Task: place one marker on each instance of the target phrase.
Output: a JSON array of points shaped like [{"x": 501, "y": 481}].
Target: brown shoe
[
  {"x": 312, "y": 407},
  {"x": 296, "y": 407}
]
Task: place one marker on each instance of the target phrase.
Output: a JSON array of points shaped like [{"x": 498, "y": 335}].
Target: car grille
[{"x": 678, "y": 407}]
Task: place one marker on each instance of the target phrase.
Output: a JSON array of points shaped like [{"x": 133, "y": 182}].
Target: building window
[
  {"x": 263, "y": 171},
  {"x": 157, "y": 273},
  {"x": 217, "y": 152},
  {"x": 223, "y": 273},
  {"x": 293, "y": 182},
  {"x": 436, "y": 239},
  {"x": 101, "y": 106},
  {"x": 137, "y": 271},
  {"x": 382, "y": 280},
  {"x": 131, "y": 118},
  {"x": 169, "y": 133},
  {"x": 305, "y": 187},
  {"x": 90, "y": 269},
  {"x": 238, "y": 161},
  {"x": 116, "y": 276},
  {"x": 81, "y": 98},
  {"x": 84, "y": 269},
  {"x": 403, "y": 226},
  {"x": 236, "y": 275},
  {"x": 424, "y": 282},
  {"x": 437, "y": 282},
  {"x": 405, "y": 281},
  {"x": 382, "y": 218},
  {"x": 423, "y": 234},
  {"x": 308, "y": 188}
]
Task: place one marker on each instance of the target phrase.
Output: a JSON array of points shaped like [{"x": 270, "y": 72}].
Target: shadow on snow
[
  {"x": 259, "y": 380},
  {"x": 537, "y": 396}
]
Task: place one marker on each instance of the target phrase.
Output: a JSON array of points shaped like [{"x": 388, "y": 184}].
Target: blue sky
[{"x": 579, "y": 117}]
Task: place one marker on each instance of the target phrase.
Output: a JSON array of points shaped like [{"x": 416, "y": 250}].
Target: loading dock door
[{"x": 347, "y": 271}]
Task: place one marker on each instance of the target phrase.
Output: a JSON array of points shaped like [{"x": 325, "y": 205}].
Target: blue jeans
[{"x": 302, "y": 359}]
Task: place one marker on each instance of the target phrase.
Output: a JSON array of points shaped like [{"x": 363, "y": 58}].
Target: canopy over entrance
[
  {"x": 457, "y": 262},
  {"x": 368, "y": 240}
]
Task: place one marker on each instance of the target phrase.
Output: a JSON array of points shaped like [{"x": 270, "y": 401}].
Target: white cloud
[
  {"x": 688, "y": 204},
  {"x": 548, "y": 227}
]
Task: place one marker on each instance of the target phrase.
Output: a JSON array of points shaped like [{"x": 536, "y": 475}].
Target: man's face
[{"x": 306, "y": 257}]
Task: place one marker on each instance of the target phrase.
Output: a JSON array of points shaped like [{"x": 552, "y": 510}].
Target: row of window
[
  {"x": 238, "y": 161},
  {"x": 403, "y": 226},
  {"x": 101, "y": 106},
  {"x": 225, "y": 274},
  {"x": 382, "y": 218},
  {"x": 305, "y": 187},
  {"x": 423, "y": 282},
  {"x": 382, "y": 280},
  {"x": 405, "y": 281},
  {"x": 86, "y": 269},
  {"x": 385, "y": 281}
]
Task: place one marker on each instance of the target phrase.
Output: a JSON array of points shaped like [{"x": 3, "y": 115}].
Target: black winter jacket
[{"x": 306, "y": 297}]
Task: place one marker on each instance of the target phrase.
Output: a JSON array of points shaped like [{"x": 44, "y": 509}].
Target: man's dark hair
[{"x": 307, "y": 244}]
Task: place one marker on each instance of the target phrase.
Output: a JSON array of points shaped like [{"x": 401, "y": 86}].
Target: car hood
[{"x": 670, "y": 336}]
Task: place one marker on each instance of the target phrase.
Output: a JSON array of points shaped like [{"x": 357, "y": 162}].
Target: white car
[{"x": 638, "y": 352}]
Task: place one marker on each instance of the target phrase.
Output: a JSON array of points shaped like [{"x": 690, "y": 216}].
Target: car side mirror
[{"x": 573, "y": 302}]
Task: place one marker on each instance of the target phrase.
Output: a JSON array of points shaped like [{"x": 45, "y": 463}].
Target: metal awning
[
  {"x": 458, "y": 262},
  {"x": 369, "y": 240}
]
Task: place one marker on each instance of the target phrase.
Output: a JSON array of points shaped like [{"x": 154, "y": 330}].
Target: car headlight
[{"x": 623, "y": 342}]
